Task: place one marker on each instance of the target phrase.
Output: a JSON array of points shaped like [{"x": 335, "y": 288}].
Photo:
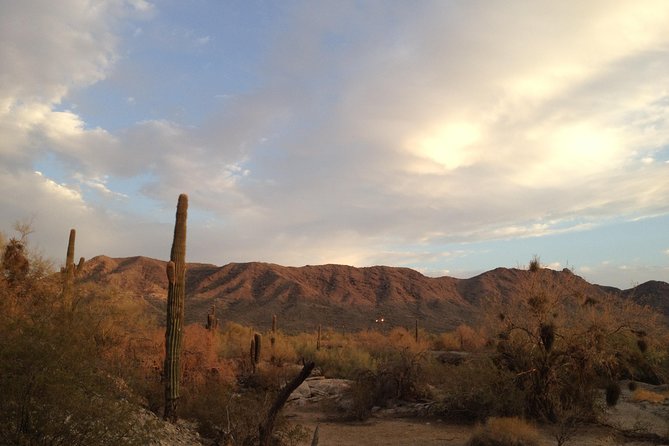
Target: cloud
[
  {"x": 432, "y": 133},
  {"x": 48, "y": 50},
  {"x": 472, "y": 145},
  {"x": 622, "y": 275},
  {"x": 369, "y": 130}
]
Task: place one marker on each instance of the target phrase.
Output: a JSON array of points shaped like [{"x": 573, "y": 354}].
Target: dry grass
[
  {"x": 505, "y": 432},
  {"x": 648, "y": 395}
]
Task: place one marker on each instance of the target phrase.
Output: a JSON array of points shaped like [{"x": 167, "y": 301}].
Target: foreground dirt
[
  {"x": 421, "y": 432},
  {"x": 386, "y": 429}
]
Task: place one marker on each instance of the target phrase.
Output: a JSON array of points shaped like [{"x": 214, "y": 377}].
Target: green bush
[
  {"x": 399, "y": 375},
  {"x": 343, "y": 361},
  {"x": 476, "y": 390}
]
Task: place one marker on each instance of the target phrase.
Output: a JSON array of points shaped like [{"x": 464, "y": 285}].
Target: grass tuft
[{"x": 505, "y": 432}]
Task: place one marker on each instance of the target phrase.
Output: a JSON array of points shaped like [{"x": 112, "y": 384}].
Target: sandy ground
[{"x": 392, "y": 431}]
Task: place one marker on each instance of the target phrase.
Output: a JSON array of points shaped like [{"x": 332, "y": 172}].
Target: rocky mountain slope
[{"x": 337, "y": 296}]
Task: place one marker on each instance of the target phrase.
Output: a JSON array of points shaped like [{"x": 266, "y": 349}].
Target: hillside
[{"x": 338, "y": 296}]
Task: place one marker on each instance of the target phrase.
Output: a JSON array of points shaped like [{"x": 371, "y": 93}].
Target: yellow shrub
[
  {"x": 647, "y": 395},
  {"x": 282, "y": 351},
  {"x": 505, "y": 432}
]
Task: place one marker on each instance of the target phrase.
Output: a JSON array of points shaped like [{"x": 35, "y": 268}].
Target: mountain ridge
[{"x": 338, "y": 296}]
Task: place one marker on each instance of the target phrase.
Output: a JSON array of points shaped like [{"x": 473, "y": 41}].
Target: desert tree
[{"x": 560, "y": 342}]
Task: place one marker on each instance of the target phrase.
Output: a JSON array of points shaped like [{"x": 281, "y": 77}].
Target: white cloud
[
  {"x": 554, "y": 265},
  {"x": 59, "y": 192},
  {"x": 359, "y": 140}
]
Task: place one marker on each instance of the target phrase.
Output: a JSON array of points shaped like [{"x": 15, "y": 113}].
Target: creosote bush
[{"x": 59, "y": 370}]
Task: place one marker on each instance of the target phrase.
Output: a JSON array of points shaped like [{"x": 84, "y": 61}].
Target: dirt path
[
  {"x": 383, "y": 428},
  {"x": 383, "y": 431}
]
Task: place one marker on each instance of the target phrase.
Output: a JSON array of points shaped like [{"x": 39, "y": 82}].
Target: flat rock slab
[{"x": 318, "y": 388}]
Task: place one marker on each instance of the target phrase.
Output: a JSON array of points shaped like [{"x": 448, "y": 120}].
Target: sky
[{"x": 452, "y": 137}]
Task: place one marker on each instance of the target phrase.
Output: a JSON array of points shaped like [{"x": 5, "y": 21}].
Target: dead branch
[{"x": 267, "y": 426}]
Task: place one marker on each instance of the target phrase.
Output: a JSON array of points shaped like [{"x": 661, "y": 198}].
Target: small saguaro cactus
[
  {"x": 176, "y": 276},
  {"x": 272, "y": 339},
  {"x": 256, "y": 346},
  {"x": 212, "y": 320},
  {"x": 318, "y": 338},
  {"x": 252, "y": 352},
  {"x": 70, "y": 271},
  {"x": 257, "y": 337}
]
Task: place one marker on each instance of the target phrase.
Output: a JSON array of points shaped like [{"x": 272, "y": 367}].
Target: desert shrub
[
  {"x": 201, "y": 359},
  {"x": 463, "y": 338},
  {"x": 476, "y": 390},
  {"x": 363, "y": 394},
  {"x": 505, "y": 432},
  {"x": 632, "y": 386},
  {"x": 292, "y": 435},
  {"x": 206, "y": 404},
  {"x": 282, "y": 351},
  {"x": 343, "y": 361},
  {"x": 535, "y": 264},
  {"x": 234, "y": 340},
  {"x": 59, "y": 386},
  {"x": 403, "y": 372},
  {"x": 15, "y": 265},
  {"x": 246, "y": 411},
  {"x": 561, "y": 345},
  {"x": 399, "y": 374},
  {"x": 649, "y": 395},
  {"x": 448, "y": 341}
]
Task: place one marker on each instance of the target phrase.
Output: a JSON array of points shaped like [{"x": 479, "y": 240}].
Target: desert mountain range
[{"x": 336, "y": 296}]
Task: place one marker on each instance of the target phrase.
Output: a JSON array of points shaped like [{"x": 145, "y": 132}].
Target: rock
[
  {"x": 302, "y": 392},
  {"x": 318, "y": 389}
]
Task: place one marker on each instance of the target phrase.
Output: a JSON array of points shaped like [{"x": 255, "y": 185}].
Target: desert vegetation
[{"x": 86, "y": 364}]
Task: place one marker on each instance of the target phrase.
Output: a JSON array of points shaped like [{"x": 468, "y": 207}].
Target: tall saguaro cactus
[{"x": 176, "y": 275}]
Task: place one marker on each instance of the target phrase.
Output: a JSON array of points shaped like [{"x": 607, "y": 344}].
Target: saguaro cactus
[
  {"x": 212, "y": 320},
  {"x": 272, "y": 339},
  {"x": 70, "y": 271},
  {"x": 318, "y": 338},
  {"x": 256, "y": 346},
  {"x": 257, "y": 338},
  {"x": 176, "y": 275}
]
